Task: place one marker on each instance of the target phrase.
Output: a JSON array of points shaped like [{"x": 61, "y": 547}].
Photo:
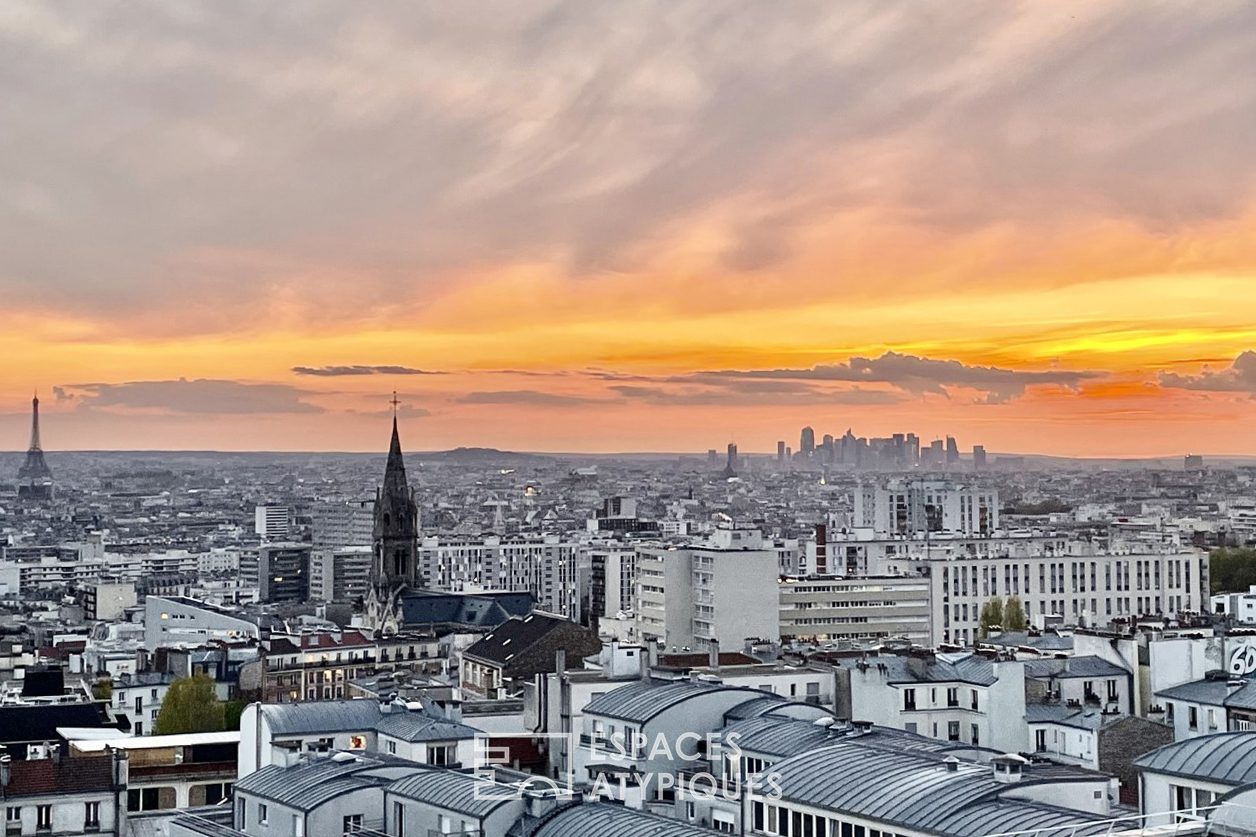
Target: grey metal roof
[
  {"x": 599, "y": 818},
  {"x": 1073, "y": 668},
  {"x": 1244, "y": 697},
  {"x": 639, "y": 702},
  {"x": 778, "y": 737},
  {"x": 307, "y": 786},
  {"x": 461, "y": 793},
  {"x": 1206, "y": 692},
  {"x": 754, "y": 708},
  {"x": 1225, "y": 757},
  {"x": 1069, "y": 716},
  {"x": 973, "y": 670},
  {"x": 321, "y": 716},
  {"x": 1022, "y": 639},
  {"x": 1007, "y": 816},
  {"x": 415, "y": 726},
  {"x": 513, "y": 637},
  {"x": 909, "y": 788}
]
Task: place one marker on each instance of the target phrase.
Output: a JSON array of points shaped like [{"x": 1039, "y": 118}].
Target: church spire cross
[{"x": 395, "y": 402}]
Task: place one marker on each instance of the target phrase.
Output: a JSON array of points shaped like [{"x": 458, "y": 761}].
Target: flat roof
[{"x": 93, "y": 744}]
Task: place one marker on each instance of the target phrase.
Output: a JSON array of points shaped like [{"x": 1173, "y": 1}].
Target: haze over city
[{"x": 617, "y": 227}]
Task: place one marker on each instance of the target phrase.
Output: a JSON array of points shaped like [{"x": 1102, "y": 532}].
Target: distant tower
[
  {"x": 979, "y": 457},
  {"x": 396, "y": 541},
  {"x": 807, "y": 441},
  {"x": 35, "y": 476},
  {"x": 730, "y": 470}
]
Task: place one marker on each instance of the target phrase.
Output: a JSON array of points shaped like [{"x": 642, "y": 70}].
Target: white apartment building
[
  {"x": 951, "y": 697},
  {"x": 915, "y": 506},
  {"x": 825, "y": 609},
  {"x": 218, "y": 561},
  {"x": 174, "y": 621},
  {"x": 552, "y": 568},
  {"x": 24, "y": 568},
  {"x": 1239, "y": 606},
  {"x": 347, "y": 523},
  {"x": 272, "y": 521},
  {"x": 340, "y": 574},
  {"x": 1089, "y": 587},
  {"x": 721, "y": 590},
  {"x": 613, "y": 575}
]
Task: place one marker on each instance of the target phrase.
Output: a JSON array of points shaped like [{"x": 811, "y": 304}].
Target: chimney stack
[
  {"x": 560, "y": 662},
  {"x": 714, "y": 654}
]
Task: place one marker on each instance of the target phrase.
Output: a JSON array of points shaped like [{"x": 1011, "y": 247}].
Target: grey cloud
[
  {"x": 745, "y": 394},
  {"x": 232, "y": 151},
  {"x": 1240, "y": 377},
  {"x": 200, "y": 396},
  {"x": 342, "y": 371},
  {"x": 910, "y": 373},
  {"x": 525, "y": 397}
]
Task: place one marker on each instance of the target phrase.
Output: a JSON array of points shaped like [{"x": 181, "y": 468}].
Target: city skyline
[{"x": 970, "y": 221}]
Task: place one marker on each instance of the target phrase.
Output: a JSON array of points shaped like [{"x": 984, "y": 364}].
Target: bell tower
[{"x": 396, "y": 528}]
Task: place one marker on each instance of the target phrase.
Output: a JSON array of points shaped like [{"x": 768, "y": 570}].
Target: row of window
[
  {"x": 43, "y": 816},
  {"x": 952, "y": 699},
  {"x": 766, "y": 818},
  {"x": 1054, "y": 578}
]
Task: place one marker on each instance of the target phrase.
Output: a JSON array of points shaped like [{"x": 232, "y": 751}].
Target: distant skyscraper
[
  {"x": 780, "y": 451},
  {"x": 35, "y": 476},
  {"x": 807, "y": 444},
  {"x": 952, "y": 451},
  {"x": 979, "y": 457},
  {"x": 730, "y": 470},
  {"x": 713, "y": 457}
]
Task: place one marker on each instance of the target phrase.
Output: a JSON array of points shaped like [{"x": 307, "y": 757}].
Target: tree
[
  {"x": 103, "y": 690},
  {"x": 991, "y": 616},
  {"x": 1014, "y": 615},
  {"x": 232, "y": 710},
  {"x": 1232, "y": 570},
  {"x": 191, "y": 705}
]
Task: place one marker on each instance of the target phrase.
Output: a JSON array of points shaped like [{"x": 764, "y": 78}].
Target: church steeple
[{"x": 396, "y": 529}]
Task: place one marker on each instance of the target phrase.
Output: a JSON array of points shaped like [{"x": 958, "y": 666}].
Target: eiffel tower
[{"x": 35, "y": 476}]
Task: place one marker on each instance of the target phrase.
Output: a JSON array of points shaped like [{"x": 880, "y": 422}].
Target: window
[
  {"x": 952, "y": 697},
  {"x": 261, "y": 813},
  {"x": 243, "y": 823},
  {"x": 43, "y": 820},
  {"x": 442, "y": 754},
  {"x": 1192, "y": 717},
  {"x": 13, "y": 814},
  {"x": 976, "y": 736},
  {"x": 91, "y": 815},
  {"x": 392, "y": 748},
  {"x": 399, "y": 819},
  {"x": 909, "y": 699},
  {"x": 952, "y": 731}
]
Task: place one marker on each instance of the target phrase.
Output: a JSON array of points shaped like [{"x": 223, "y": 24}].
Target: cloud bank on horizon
[{"x": 1032, "y": 219}]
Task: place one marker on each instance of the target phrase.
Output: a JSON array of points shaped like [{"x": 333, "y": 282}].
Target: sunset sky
[{"x": 615, "y": 226}]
